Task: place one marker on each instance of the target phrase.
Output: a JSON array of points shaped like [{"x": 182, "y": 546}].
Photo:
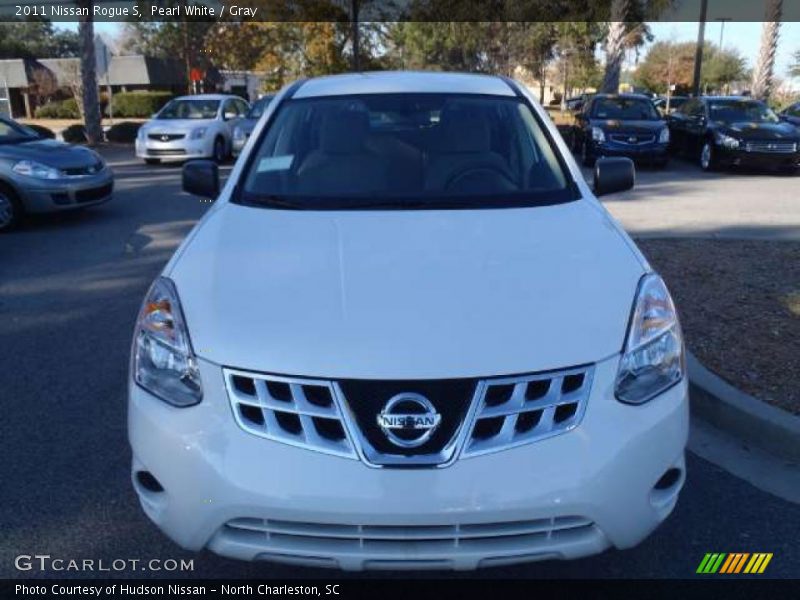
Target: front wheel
[
  {"x": 10, "y": 210},
  {"x": 708, "y": 157}
]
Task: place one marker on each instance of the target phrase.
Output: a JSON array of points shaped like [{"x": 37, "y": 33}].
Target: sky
[{"x": 744, "y": 36}]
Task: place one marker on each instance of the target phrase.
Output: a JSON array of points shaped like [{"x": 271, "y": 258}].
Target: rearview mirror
[
  {"x": 229, "y": 115},
  {"x": 613, "y": 175},
  {"x": 201, "y": 178}
]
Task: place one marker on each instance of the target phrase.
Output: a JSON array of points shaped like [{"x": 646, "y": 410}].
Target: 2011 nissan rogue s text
[{"x": 407, "y": 335}]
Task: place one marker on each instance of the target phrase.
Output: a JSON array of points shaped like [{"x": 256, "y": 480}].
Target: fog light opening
[
  {"x": 668, "y": 479},
  {"x": 148, "y": 482}
]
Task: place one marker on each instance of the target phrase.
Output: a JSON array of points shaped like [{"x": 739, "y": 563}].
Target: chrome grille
[
  {"x": 633, "y": 138},
  {"x": 299, "y": 412},
  {"x": 520, "y": 410},
  {"x": 166, "y": 137},
  {"x": 771, "y": 147},
  {"x": 503, "y": 413}
]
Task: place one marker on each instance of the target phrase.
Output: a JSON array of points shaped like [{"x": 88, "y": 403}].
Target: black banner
[
  {"x": 337, "y": 588},
  {"x": 391, "y": 10}
]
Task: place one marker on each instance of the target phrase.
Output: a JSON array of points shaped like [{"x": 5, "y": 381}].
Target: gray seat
[
  {"x": 342, "y": 164},
  {"x": 464, "y": 160}
]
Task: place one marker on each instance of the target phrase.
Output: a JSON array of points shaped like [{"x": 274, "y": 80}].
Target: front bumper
[
  {"x": 567, "y": 496},
  {"x": 653, "y": 153},
  {"x": 45, "y": 196},
  {"x": 176, "y": 150},
  {"x": 761, "y": 160}
]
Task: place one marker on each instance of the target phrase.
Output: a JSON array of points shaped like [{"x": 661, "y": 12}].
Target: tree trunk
[
  {"x": 615, "y": 46},
  {"x": 91, "y": 100},
  {"x": 763, "y": 74}
]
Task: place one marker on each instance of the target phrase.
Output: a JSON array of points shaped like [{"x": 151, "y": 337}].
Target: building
[{"x": 27, "y": 82}]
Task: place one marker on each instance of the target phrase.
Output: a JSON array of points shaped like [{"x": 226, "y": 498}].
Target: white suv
[
  {"x": 407, "y": 335},
  {"x": 191, "y": 127}
]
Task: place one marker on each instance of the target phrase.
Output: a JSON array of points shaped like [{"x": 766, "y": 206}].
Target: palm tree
[
  {"x": 765, "y": 66},
  {"x": 615, "y": 45},
  {"x": 91, "y": 100}
]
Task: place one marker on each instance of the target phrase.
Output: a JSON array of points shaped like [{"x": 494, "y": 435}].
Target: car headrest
[{"x": 344, "y": 132}]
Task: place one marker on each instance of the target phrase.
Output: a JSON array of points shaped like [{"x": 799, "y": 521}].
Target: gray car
[
  {"x": 38, "y": 175},
  {"x": 244, "y": 128}
]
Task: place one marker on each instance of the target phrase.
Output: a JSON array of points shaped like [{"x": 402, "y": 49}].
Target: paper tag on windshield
[{"x": 275, "y": 163}]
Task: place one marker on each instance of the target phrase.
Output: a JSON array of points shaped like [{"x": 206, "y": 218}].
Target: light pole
[
  {"x": 722, "y": 21},
  {"x": 698, "y": 54}
]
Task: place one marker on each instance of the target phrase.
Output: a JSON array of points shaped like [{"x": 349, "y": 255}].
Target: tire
[
  {"x": 152, "y": 161},
  {"x": 708, "y": 156},
  {"x": 220, "y": 152},
  {"x": 586, "y": 158},
  {"x": 10, "y": 209}
]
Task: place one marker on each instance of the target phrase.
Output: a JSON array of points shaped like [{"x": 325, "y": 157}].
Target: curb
[{"x": 753, "y": 421}]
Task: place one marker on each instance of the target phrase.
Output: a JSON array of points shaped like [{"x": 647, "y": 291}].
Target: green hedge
[
  {"x": 139, "y": 104},
  {"x": 66, "y": 109},
  {"x": 123, "y": 133}
]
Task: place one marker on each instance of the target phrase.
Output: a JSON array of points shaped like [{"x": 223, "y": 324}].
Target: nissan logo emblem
[
  {"x": 164, "y": 138},
  {"x": 408, "y": 420}
]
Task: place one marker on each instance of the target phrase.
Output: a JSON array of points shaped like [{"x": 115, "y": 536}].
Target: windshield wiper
[{"x": 274, "y": 201}]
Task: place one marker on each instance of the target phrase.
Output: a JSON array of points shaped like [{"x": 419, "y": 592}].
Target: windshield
[
  {"x": 625, "y": 109},
  {"x": 190, "y": 109},
  {"x": 404, "y": 151},
  {"x": 259, "y": 106},
  {"x": 733, "y": 111},
  {"x": 11, "y": 132}
]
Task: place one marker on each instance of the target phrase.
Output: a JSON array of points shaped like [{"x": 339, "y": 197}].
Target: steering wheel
[{"x": 470, "y": 171}]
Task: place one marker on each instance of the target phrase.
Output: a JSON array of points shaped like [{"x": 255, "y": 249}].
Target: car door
[
  {"x": 676, "y": 121},
  {"x": 696, "y": 125}
]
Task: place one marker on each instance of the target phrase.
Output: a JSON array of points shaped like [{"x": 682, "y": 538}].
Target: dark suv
[
  {"x": 722, "y": 131},
  {"x": 621, "y": 125}
]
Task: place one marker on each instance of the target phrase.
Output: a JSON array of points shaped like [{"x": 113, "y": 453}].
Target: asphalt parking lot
[{"x": 70, "y": 288}]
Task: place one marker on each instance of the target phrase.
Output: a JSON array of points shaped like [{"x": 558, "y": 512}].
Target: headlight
[
  {"x": 238, "y": 134},
  {"x": 663, "y": 137},
  {"x": 653, "y": 359},
  {"x": 727, "y": 141},
  {"x": 163, "y": 361},
  {"x": 598, "y": 135},
  {"x": 31, "y": 168},
  {"x": 198, "y": 133}
]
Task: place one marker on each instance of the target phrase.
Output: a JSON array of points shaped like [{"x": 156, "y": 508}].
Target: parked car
[
  {"x": 191, "y": 127},
  {"x": 675, "y": 102},
  {"x": 722, "y": 131},
  {"x": 407, "y": 335},
  {"x": 791, "y": 114},
  {"x": 621, "y": 125},
  {"x": 39, "y": 175},
  {"x": 245, "y": 126}
]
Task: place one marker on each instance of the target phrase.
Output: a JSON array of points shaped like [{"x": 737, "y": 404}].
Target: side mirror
[
  {"x": 613, "y": 175},
  {"x": 227, "y": 116},
  {"x": 201, "y": 178}
]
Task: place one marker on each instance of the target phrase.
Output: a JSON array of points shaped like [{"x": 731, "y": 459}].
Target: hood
[
  {"x": 407, "y": 294},
  {"x": 747, "y": 130},
  {"x": 617, "y": 126},
  {"x": 51, "y": 153},
  {"x": 175, "y": 125}
]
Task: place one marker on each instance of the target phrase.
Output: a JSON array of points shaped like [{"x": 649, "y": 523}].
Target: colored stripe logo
[{"x": 733, "y": 563}]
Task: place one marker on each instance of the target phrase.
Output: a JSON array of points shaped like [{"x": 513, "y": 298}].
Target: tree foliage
[
  {"x": 36, "y": 38},
  {"x": 673, "y": 63}
]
